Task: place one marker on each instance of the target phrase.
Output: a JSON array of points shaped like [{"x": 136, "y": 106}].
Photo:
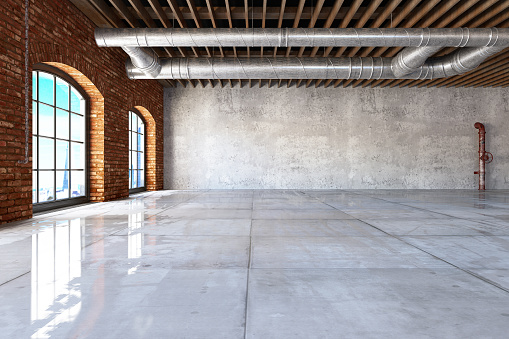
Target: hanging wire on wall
[{"x": 26, "y": 86}]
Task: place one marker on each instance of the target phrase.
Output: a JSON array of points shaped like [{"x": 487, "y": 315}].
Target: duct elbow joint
[
  {"x": 147, "y": 63},
  {"x": 411, "y": 58}
]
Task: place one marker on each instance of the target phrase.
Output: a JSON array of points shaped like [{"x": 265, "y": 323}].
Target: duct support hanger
[{"x": 413, "y": 62}]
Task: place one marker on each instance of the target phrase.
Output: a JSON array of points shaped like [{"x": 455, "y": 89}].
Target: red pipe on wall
[{"x": 484, "y": 157}]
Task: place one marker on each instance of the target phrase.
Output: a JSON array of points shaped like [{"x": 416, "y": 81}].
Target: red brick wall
[{"x": 60, "y": 35}]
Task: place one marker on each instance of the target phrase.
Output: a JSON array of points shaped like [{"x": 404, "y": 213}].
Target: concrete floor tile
[
  {"x": 374, "y": 303},
  {"x": 436, "y": 226},
  {"x": 312, "y": 228},
  {"x": 339, "y": 252},
  {"x": 300, "y": 214},
  {"x": 480, "y": 252}
]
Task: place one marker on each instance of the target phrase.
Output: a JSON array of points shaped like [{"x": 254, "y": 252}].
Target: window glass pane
[
  {"x": 46, "y": 88},
  {"x": 77, "y": 184},
  {"x": 46, "y": 121},
  {"x": 134, "y": 126},
  {"x": 130, "y": 175},
  {"x": 34, "y": 187},
  {"x": 62, "y": 184},
  {"x": 141, "y": 161},
  {"x": 141, "y": 179},
  {"x": 134, "y": 139},
  {"x": 77, "y": 102},
  {"x": 34, "y": 152},
  {"x": 34, "y": 117},
  {"x": 62, "y": 155},
  {"x": 62, "y": 94},
  {"x": 139, "y": 147},
  {"x": 46, "y": 186},
  {"x": 34, "y": 85},
  {"x": 77, "y": 156},
  {"x": 130, "y": 120},
  {"x": 133, "y": 179},
  {"x": 46, "y": 154},
  {"x": 77, "y": 127},
  {"x": 135, "y": 159},
  {"x": 141, "y": 128},
  {"x": 62, "y": 124}
]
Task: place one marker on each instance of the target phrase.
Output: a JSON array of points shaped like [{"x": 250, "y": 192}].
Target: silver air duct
[
  {"x": 297, "y": 37},
  {"x": 312, "y": 68},
  {"x": 146, "y": 62},
  {"x": 411, "y": 63}
]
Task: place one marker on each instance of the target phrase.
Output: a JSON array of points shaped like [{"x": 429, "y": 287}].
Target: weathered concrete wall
[{"x": 333, "y": 138}]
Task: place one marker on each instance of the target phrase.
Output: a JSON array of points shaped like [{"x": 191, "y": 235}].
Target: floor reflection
[
  {"x": 134, "y": 236},
  {"x": 56, "y": 262}
]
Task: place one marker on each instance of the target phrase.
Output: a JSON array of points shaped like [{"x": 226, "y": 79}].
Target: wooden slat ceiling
[{"x": 311, "y": 13}]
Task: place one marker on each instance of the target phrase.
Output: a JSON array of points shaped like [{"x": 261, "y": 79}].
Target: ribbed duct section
[
  {"x": 269, "y": 68},
  {"x": 459, "y": 62},
  {"x": 411, "y": 63},
  {"x": 146, "y": 62},
  {"x": 296, "y": 37}
]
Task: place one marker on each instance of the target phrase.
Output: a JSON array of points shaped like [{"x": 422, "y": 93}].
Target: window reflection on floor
[
  {"x": 135, "y": 237},
  {"x": 56, "y": 261}
]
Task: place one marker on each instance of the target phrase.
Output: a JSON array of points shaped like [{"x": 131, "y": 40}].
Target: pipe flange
[{"x": 487, "y": 157}]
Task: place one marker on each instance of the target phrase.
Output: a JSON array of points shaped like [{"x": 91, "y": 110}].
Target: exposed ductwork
[
  {"x": 413, "y": 62},
  {"x": 297, "y": 37}
]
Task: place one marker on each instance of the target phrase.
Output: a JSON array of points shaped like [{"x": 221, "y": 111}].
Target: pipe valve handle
[{"x": 487, "y": 157}]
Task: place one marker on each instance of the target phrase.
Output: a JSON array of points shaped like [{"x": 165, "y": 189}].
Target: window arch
[
  {"x": 59, "y": 145},
  {"x": 136, "y": 152}
]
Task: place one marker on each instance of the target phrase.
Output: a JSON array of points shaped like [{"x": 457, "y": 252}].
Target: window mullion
[{"x": 55, "y": 138}]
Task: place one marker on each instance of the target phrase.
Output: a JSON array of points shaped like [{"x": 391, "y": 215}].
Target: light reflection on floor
[
  {"x": 262, "y": 264},
  {"x": 56, "y": 262}
]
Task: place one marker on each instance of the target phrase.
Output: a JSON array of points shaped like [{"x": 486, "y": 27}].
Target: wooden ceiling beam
[
  {"x": 407, "y": 8},
  {"x": 447, "y": 17},
  {"x": 296, "y": 21},
  {"x": 95, "y": 14},
  {"x": 330, "y": 19},
  {"x": 108, "y": 13},
  {"x": 279, "y": 23},
  {"x": 414, "y": 19},
  {"x": 472, "y": 15},
  {"x": 361, "y": 23},
  {"x": 213, "y": 21},
  {"x": 316, "y": 12},
  {"x": 124, "y": 12},
  {"x": 344, "y": 24}
]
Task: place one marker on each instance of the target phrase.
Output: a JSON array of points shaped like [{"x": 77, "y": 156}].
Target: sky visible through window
[{"x": 58, "y": 139}]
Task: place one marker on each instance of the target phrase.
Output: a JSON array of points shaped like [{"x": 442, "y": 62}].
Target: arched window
[
  {"x": 59, "y": 145},
  {"x": 136, "y": 152}
]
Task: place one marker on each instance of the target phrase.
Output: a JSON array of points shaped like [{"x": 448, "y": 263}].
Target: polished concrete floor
[{"x": 262, "y": 264}]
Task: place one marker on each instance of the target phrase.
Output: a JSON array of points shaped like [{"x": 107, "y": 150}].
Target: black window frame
[
  {"x": 67, "y": 202},
  {"x": 144, "y": 187}
]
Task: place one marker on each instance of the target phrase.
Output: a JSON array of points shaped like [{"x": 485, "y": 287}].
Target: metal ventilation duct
[
  {"x": 411, "y": 63},
  {"x": 297, "y": 37}
]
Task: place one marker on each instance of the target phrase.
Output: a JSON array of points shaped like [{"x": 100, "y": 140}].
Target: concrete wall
[{"x": 333, "y": 138}]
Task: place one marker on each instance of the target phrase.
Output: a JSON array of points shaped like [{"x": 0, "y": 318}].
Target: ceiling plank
[
  {"x": 477, "y": 11},
  {"x": 279, "y": 23},
  {"x": 264, "y": 16},
  {"x": 344, "y": 24},
  {"x": 213, "y": 21},
  {"x": 108, "y": 13},
  {"x": 316, "y": 12},
  {"x": 124, "y": 12},
  {"x": 94, "y": 14}
]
